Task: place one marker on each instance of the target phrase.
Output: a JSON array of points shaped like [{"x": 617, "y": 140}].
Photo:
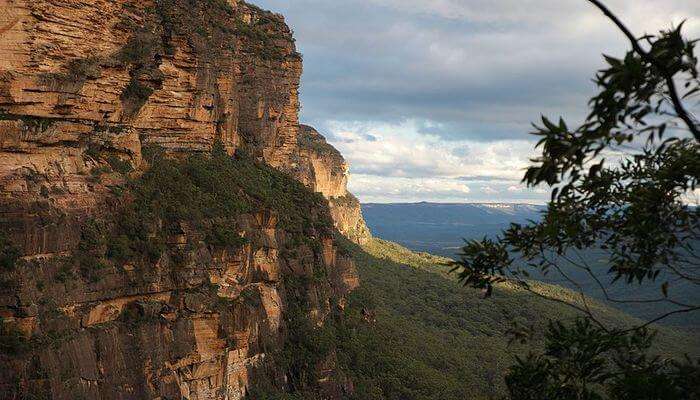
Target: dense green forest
[
  {"x": 440, "y": 229},
  {"x": 412, "y": 332}
]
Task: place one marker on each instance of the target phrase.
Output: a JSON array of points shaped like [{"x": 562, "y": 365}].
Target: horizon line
[{"x": 454, "y": 203}]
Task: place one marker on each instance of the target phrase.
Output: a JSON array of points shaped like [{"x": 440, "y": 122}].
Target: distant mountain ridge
[
  {"x": 458, "y": 211},
  {"x": 439, "y": 228}
]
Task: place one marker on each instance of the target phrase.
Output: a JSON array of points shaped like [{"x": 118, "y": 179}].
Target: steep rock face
[
  {"x": 86, "y": 86},
  {"x": 198, "y": 332},
  {"x": 126, "y": 74},
  {"x": 324, "y": 170},
  {"x": 75, "y": 60}
]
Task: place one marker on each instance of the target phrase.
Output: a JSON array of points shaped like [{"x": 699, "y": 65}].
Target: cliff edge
[
  {"x": 152, "y": 241},
  {"x": 326, "y": 172}
]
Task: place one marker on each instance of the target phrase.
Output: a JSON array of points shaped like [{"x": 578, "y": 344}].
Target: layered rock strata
[
  {"x": 86, "y": 86},
  {"x": 325, "y": 171}
]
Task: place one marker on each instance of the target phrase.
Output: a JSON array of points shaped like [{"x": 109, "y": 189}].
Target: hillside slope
[
  {"x": 429, "y": 338},
  {"x": 440, "y": 229}
]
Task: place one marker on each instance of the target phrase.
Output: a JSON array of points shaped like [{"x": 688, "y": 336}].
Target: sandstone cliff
[
  {"x": 86, "y": 87},
  {"x": 325, "y": 171}
]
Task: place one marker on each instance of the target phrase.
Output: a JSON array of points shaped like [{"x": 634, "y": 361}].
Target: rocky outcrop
[
  {"x": 324, "y": 169},
  {"x": 126, "y": 74},
  {"x": 87, "y": 87},
  {"x": 228, "y": 72}
]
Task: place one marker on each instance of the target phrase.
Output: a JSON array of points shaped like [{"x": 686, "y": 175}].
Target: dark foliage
[
  {"x": 411, "y": 332},
  {"x": 203, "y": 194},
  {"x": 9, "y": 253},
  {"x": 78, "y": 71},
  {"x": 636, "y": 209},
  {"x": 11, "y": 340},
  {"x": 211, "y": 27},
  {"x": 582, "y": 361},
  {"x": 306, "y": 345},
  {"x": 135, "y": 95},
  {"x": 38, "y": 123}
]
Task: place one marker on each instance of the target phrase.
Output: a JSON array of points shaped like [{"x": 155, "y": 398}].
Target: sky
[{"x": 432, "y": 100}]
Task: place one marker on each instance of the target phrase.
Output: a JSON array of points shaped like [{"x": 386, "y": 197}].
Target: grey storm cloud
[
  {"x": 434, "y": 99},
  {"x": 483, "y": 69}
]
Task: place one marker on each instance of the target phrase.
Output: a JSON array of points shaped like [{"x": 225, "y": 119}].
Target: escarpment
[
  {"x": 325, "y": 171},
  {"x": 159, "y": 232}
]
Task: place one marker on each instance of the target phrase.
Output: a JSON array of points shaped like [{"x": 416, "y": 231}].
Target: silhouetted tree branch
[
  {"x": 673, "y": 91},
  {"x": 634, "y": 210}
]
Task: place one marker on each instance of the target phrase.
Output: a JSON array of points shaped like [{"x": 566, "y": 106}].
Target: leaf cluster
[
  {"x": 635, "y": 207},
  {"x": 583, "y": 362}
]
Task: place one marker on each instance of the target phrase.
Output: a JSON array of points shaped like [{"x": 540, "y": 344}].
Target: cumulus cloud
[
  {"x": 402, "y": 151},
  {"x": 457, "y": 81},
  {"x": 398, "y": 163},
  {"x": 375, "y": 188}
]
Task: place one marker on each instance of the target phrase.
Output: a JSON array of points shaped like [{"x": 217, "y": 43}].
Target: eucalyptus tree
[{"x": 623, "y": 182}]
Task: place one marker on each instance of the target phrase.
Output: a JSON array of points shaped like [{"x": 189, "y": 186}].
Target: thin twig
[
  {"x": 663, "y": 316},
  {"x": 673, "y": 92},
  {"x": 590, "y": 272},
  {"x": 573, "y": 282},
  {"x": 571, "y": 305}
]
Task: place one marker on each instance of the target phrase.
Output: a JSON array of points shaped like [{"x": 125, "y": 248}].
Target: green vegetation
[
  {"x": 348, "y": 200},
  {"x": 140, "y": 312},
  {"x": 140, "y": 54},
  {"x": 410, "y": 332},
  {"x": 78, "y": 71},
  {"x": 305, "y": 348},
  {"x": 434, "y": 339},
  {"x": 11, "y": 340},
  {"x": 58, "y": 330},
  {"x": 205, "y": 24},
  {"x": 306, "y": 345},
  {"x": 202, "y": 194},
  {"x": 261, "y": 36},
  {"x": 135, "y": 95},
  {"x": 38, "y": 123},
  {"x": 583, "y": 361},
  {"x": 636, "y": 210},
  {"x": 114, "y": 162},
  {"x": 113, "y": 129},
  {"x": 89, "y": 255},
  {"x": 211, "y": 28},
  {"x": 140, "y": 48},
  {"x": 9, "y": 254},
  {"x": 118, "y": 165},
  {"x": 310, "y": 139}
]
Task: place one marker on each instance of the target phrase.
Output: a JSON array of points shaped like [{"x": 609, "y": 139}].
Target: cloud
[
  {"x": 402, "y": 151},
  {"x": 455, "y": 75},
  {"x": 398, "y": 163},
  {"x": 489, "y": 190},
  {"x": 374, "y": 188},
  {"x": 476, "y": 69}
]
